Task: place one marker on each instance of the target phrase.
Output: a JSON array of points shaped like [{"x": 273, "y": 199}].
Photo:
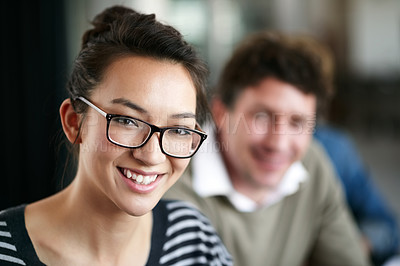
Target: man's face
[{"x": 268, "y": 129}]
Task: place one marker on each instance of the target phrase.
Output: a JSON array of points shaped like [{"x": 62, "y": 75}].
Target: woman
[{"x": 136, "y": 97}]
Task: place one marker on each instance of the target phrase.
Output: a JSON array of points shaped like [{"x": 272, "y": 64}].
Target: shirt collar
[{"x": 211, "y": 178}]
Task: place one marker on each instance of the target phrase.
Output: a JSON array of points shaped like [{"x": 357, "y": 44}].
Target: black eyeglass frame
[{"x": 153, "y": 129}]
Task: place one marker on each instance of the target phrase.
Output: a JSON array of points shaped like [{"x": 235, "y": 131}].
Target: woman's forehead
[{"x": 150, "y": 83}]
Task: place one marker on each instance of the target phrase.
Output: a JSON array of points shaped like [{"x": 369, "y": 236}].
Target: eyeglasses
[{"x": 129, "y": 132}]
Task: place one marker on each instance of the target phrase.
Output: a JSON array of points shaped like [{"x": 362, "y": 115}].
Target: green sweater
[{"x": 309, "y": 227}]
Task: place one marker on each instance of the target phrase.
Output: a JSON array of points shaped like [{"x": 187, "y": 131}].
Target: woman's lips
[
  {"x": 139, "y": 177},
  {"x": 139, "y": 181}
]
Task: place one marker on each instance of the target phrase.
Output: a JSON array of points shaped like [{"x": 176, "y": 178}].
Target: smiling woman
[{"x": 136, "y": 101}]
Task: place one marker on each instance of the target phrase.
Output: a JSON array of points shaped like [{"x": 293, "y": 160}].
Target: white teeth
[
  {"x": 128, "y": 174},
  {"x": 134, "y": 176},
  {"x": 140, "y": 179},
  {"x": 146, "y": 180}
]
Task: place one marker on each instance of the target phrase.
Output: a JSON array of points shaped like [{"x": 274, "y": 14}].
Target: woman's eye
[
  {"x": 123, "y": 121},
  {"x": 180, "y": 132}
]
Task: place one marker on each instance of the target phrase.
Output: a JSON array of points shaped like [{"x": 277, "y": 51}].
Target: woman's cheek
[{"x": 179, "y": 166}]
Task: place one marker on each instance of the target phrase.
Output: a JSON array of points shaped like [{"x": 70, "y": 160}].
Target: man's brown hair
[{"x": 296, "y": 59}]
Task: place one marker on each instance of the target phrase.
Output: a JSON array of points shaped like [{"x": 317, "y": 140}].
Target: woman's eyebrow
[
  {"x": 140, "y": 109},
  {"x": 129, "y": 104},
  {"x": 184, "y": 115}
]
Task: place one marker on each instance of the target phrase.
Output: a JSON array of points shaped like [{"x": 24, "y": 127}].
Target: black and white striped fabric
[
  {"x": 190, "y": 239},
  {"x": 181, "y": 236},
  {"x": 8, "y": 250}
]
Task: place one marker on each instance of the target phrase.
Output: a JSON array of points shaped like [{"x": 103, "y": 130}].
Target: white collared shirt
[{"x": 210, "y": 178}]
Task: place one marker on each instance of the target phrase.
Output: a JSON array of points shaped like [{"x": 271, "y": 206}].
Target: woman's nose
[{"x": 150, "y": 153}]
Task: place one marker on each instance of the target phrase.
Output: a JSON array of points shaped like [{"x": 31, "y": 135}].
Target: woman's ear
[{"x": 70, "y": 121}]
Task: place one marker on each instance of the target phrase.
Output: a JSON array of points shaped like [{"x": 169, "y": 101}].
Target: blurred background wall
[{"x": 40, "y": 39}]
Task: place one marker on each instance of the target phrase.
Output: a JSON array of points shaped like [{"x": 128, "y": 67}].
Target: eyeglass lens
[{"x": 133, "y": 133}]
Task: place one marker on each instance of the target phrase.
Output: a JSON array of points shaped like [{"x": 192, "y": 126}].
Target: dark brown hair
[
  {"x": 119, "y": 32},
  {"x": 298, "y": 60}
]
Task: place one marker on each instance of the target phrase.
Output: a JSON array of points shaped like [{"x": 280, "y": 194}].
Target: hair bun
[{"x": 102, "y": 22}]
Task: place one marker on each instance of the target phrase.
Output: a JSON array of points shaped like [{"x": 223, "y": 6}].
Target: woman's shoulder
[
  {"x": 13, "y": 212},
  {"x": 12, "y": 219},
  {"x": 190, "y": 236},
  {"x": 177, "y": 210},
  {"x": 15, "y": 243},
  {"x": 185, "y": 216}
]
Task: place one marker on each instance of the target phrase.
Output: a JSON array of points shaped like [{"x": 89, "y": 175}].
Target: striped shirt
[{"x": 181, "y": 236}]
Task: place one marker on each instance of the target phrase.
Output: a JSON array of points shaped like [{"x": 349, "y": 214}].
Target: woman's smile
[{"x": 140, "y": 181}]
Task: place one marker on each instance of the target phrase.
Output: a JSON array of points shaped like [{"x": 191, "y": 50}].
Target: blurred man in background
[{"x": 268, "y": 188}]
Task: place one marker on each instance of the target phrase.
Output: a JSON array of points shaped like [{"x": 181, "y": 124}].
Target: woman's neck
[{"x": 88, "y": 222}]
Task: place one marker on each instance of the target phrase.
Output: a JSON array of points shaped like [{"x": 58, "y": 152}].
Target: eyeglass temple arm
[
  {"x": 92, "y": 105},
  {"x": 197, "y": 127}
]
